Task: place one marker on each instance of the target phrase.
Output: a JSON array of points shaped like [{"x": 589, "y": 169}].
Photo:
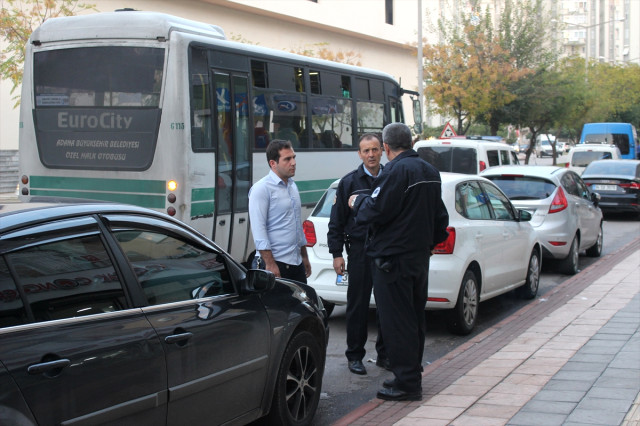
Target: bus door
[{"x": 233, "y": 168}]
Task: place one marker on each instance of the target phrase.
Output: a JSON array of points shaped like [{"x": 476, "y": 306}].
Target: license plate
[
  {"x": 605, "y": 187},
  {"x": 342, "y": 280}
]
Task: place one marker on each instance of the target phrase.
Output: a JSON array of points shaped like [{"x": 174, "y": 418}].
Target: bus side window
[{"x": 201, "y": 137}]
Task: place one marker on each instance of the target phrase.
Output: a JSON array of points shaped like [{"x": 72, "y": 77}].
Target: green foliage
[{"x": 18, "y": 19}]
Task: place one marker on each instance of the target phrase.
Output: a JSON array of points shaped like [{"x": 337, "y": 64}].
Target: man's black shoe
[
  {"x": 357, "y": 367},
  {"x": 389, "y": 383},
  {"x": 394, "y": 394},
  {"x": 384, "y": 363}
]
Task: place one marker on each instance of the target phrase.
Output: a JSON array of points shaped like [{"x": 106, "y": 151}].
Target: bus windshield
[
  {"x": 98, "y": 107},
  {"x": 99, "y": 77}
]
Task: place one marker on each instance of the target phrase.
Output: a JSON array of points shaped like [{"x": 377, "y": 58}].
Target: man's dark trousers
[
  {"x": 358, "y": 297},
  {"x": 401, "y": 296}
]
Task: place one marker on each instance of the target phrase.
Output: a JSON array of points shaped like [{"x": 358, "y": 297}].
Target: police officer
[
  {"x": 406, "y": 218},
  {"x": 344, "y": 232}
]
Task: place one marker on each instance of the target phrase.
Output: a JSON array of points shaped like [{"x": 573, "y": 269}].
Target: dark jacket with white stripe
[{"x": 405, "y": 212}]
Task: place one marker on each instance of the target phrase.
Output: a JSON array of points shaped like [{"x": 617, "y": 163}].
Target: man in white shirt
[{"x": 276, "y": 218}]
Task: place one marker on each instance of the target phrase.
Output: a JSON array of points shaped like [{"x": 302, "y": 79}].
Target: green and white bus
[{"x": 154, "y": 110}]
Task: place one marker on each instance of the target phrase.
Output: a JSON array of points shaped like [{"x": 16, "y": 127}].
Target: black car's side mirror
[{"x": 258, "y": 280}]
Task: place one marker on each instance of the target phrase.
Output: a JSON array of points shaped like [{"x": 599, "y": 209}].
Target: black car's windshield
[{"x": 612, "y": 168}]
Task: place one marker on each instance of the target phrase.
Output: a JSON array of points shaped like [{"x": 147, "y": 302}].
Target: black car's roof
[{"x": 18, "y": 215}]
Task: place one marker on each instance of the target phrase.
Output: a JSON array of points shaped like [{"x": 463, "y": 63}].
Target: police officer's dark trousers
[
  {"x": 358, "y": 297},
  {"x": 401, "y": 296}
]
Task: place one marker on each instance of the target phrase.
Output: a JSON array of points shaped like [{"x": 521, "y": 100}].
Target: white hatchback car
[
  {"x": 491, "y": 250},
  {"x": 469, "y": 156},
  {"x": 581, "y": 155},
  {"x": 565, "y": 213}
]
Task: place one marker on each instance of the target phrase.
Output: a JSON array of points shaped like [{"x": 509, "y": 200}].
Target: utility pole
[{"x": 420, "y": 64}]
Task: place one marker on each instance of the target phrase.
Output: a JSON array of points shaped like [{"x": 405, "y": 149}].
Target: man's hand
[
  {"x": 307, "y": 266},
  {"x": 269, "y": 262},
  {"x": 338, "y": 265},
  {"x": 273, "y": 267},
  {"x": 352, "y": 200},
  {"x": 305, "y": 261}
]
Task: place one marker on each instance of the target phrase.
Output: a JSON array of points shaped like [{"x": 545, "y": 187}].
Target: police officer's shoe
[
  {"x": 389, "y": 383},
  {"x": 357, "y": 367},
  {"x": 395, "y": 394},
  {"x": 384, "y": 363}
]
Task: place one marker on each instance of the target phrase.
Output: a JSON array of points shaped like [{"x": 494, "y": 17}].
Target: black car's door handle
[
  {"x": 44, "y": 367},
  {"x": 178, "y": 338}
]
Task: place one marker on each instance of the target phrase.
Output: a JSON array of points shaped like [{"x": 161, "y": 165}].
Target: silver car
[{"x": 565, "y": 213}]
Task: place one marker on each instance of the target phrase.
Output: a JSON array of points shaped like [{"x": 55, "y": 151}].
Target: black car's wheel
[
  {"x": 299, "y": 382},
  {"x": 570, "y": 264},
  {"x": 530, "y": 287},
  {"x": 463, "y": 317},
  {"x": 328, "y": 306},
  {"x": 596, "y": 249}
]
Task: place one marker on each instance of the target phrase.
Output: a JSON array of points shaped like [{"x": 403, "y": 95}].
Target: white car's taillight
[
  {"x": 447, "y": 246},
  {"x": 309, "y": 233}
]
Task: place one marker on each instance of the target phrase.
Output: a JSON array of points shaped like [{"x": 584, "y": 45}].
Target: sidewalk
[{"x": 570, "y": 358}]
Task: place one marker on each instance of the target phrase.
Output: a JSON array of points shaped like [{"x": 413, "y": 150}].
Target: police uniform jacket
[
  {"x": 342, "y": 227},
  {"x": 405, "y": 211}
]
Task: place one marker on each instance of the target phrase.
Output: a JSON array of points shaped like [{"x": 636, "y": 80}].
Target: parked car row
[
  {"x": 114, "y": 314},
  {"x": 504, "y": 219}
]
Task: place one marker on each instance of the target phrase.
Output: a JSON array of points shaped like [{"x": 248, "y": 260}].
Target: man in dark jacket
[
  {"x": 345, "y": 232},
  {"x": 406, "y": 218}
]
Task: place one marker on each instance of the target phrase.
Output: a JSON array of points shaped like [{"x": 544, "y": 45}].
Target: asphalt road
[{"x": 342, "y": 392}]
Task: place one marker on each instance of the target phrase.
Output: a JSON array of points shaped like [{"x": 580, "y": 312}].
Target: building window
[{"x": 388, "y": 11}]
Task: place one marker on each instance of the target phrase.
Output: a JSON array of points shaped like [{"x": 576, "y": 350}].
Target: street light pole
[
  {"x": 586, "y": 39},
  {"x": 420, "y": 64}
]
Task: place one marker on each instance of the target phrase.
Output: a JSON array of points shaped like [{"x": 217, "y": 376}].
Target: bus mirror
[
  {"x": 417, "y": 128},
  {"x": 417, "y": 111}
]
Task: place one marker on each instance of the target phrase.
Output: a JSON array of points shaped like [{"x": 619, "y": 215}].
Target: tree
[
  {"x": 543, "y": 100},
  {"x": 322, "y": 51},
  {"x": 18, "y": 19},
  {"x": 478, "y": 63}
]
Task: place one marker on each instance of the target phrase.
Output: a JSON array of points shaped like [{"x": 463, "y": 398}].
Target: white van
[
  {"x": 468, "y": 156},
  {"x": 581, "y": 155}
]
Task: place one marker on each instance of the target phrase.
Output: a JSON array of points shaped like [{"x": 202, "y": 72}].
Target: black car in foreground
[
  {"x": 113, "y": 314},
  {"x": 617, "y": 182}
]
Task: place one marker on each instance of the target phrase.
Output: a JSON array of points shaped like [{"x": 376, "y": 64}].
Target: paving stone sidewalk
[{"x": 572, "y": 357}]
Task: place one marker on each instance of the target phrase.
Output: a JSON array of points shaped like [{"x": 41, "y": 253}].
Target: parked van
[
  {"x": 623, "y": 135},
  {"x": 543, "y": 145},
  {"x": 468, "y": 156},
  {"x": 581, "y": 155}
]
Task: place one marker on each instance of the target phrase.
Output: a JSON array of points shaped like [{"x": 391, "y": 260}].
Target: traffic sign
[{"x": 448, "y": 131}]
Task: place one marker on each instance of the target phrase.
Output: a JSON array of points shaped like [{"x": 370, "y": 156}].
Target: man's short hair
[
  {"x": 397, "y": 136},
  {"x": 274, "y": 148},
  {"x": 370, "y": 135}
]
